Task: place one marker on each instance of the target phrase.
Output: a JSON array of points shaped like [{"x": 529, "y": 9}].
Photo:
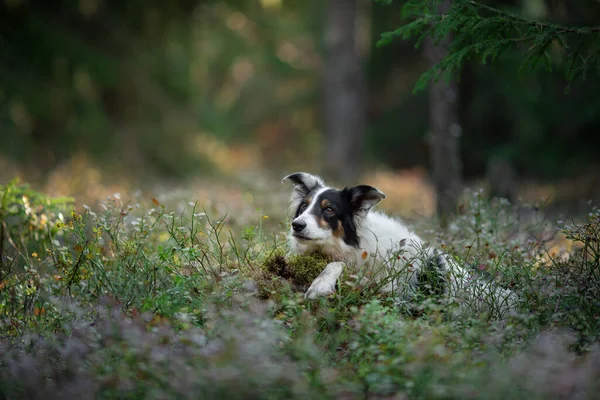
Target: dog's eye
[
  {"x": 329, "y": 211},
  {"x": 302, "y": 208}
]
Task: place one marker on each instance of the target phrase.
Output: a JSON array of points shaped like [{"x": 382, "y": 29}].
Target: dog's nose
[{"x": 298, "y": 225}]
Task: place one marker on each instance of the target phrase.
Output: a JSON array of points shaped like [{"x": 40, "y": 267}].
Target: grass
[{"x": 147, "y": 300}]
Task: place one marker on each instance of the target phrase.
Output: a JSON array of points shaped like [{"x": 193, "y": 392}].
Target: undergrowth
[{"x": 132, "y": 300}]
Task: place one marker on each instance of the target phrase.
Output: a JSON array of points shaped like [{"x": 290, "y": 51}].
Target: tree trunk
[
  {"x": 444, "y": 131},
  {"x": 344, "y": 92},
  {"x": 502, "y": 178}
]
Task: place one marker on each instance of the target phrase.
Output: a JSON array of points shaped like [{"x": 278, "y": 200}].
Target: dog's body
[{"x": 342, "y": 225}]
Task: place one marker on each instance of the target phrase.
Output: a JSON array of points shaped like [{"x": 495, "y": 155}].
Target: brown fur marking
[
  {"x": 322, "y": 223},
  {"x": 339, "y": 231}
]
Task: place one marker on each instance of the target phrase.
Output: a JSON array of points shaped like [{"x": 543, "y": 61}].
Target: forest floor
[{"x": 168, "y": 291}]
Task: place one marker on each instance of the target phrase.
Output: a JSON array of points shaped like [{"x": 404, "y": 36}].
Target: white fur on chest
[{"x": 382, "y": 236}]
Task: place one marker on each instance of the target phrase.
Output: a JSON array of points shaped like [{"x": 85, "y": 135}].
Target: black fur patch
[
  {"x": 305, "y": 203},
  {"x": 341, "y": 221}
]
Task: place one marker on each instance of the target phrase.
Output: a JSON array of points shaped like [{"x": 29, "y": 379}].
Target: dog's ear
[
  {"x": 304, "y": 183},
  {"x": 364, "y": 197}
]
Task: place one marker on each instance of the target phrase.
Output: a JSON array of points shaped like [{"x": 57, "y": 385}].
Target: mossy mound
[
  {"x": 279, "y": 274},
  {"x": 300, "y": 270}
]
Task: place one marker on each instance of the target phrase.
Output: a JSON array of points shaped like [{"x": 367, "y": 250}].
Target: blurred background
[{"x": 100, "y": 95}]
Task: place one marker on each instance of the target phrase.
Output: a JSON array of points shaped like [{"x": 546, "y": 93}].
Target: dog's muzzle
[{"x": 298, "y": 226}]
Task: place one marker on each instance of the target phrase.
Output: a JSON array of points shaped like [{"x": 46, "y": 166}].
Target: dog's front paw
[
  {"x": 320, "y": 288},
  {"x": 325, "y": 283}
]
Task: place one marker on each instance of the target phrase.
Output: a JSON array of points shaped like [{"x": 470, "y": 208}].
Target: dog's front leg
[{"x": 325, "y": 283}]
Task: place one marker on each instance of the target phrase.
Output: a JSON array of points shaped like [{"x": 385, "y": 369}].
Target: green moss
[
  {"x": 303, "y": 269},
  {"x": 276, "y": 263},
  {"x": 300, "y": 270}
]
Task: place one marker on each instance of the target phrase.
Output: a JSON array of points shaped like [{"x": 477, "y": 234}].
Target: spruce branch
[{"x": 483, "y": 32}]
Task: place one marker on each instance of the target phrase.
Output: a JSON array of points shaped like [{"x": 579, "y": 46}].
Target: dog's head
[{"x": 326, "y": 216}]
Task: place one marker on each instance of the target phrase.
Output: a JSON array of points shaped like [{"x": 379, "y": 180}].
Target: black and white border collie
[{"x": 342, "y": 225}]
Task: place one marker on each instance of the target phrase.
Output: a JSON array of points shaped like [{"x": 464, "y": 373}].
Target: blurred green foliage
[
  {"x": 135, "y": 85},
  {"x": 135, "y": 82}
]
